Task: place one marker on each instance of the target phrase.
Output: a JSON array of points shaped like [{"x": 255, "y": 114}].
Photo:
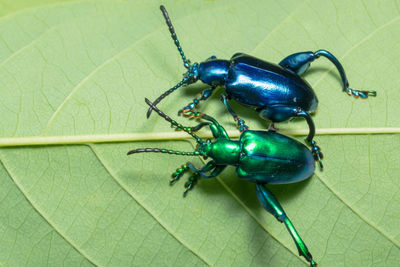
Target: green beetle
[{"x": 263, "y": 157}]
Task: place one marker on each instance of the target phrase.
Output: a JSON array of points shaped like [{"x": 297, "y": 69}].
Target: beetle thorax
[
  {"x": 222, "y": 151},
  {"x": 214, "y": 71}
]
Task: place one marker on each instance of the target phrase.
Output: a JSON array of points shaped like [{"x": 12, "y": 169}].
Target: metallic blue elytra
[
  {"x": 267, "y": 86},
  {"x": 277, "y": 92},
  {"x": 262, "y": 157}
]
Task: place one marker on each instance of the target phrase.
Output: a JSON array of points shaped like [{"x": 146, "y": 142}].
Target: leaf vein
[
  {"x": 143, "y": 205},
  {"x": 20, "y": 188}
]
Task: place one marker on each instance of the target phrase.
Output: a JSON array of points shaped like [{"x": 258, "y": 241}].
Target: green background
[{"x": 72, "y": 68}]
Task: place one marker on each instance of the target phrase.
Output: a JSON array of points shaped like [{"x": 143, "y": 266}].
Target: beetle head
[
  {"x": 192, "y": 75},
  {"x": 204, "y": 148}
]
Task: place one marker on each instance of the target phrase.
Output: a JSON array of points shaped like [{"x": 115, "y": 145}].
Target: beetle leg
[
  {"x": 216, "y": 129},
  {"x": 345, "y": 82},
  {"x": 300, "y": 62},
  {"x": 279, "y": 113},
  {"x": 192, "y": 179},
  {"x": 210, "y": 166},
  {"x": 272, "y": 205},
  {"x": 194, "y": 128},
  {"x": 199, "y": 126},
  {"x": 188, "y": 110},
  {"x": 316, "y": 150},
  {"x": 272, "y": 128},
  {"x": 178, "y": 173},
  {"x": 240, "y": 123},
  {"x": 196, "y": 174},
  {"x": 203, "y": 173},
  {"x": 191, "y": 183}
]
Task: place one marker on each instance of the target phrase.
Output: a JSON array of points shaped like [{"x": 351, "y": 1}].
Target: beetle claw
[
  {"x": 191, "y": 183},
  {"x": 359, "y": 93},
  {"x": 316, "y": 152},
  {"x": 321, "y": 166},
  {"x": 183, "y": 111},
  {"x": 187, "y": 112},
  {"x": 240, "y": 124},
  {"x": 272, "y": 127}
]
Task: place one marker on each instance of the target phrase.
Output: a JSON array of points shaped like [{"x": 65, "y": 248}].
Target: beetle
[
  {"x": 277, "y": 92},
  {"x": 262, "y": 157}
]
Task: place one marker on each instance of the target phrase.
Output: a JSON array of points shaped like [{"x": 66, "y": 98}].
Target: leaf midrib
[
  {"x": 322, "y": 76},
  {"x": 174, "y": 136}
]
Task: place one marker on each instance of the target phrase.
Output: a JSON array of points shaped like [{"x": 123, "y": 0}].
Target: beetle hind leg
[
  {"x": 272, "y": 205},
  {"x": 315, "y": 150},
  {"x": 300, "y": 62},
  {"x": 280, "y": 113},
  {"x": 272, "y": 128}
]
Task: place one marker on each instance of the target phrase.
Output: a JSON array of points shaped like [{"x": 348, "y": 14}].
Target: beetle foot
[
  {"x": 272, "y": 128},
  {"x": 241, "y": 124},
  {"x": 316, "y": 151},
  {"x": 187, "y": 112},
  {"x": 191, "y": 183},
  {"x": 243, "y": 128},
  {"x": 313, "y": 263},
  {"x": 359, "y": 93},
  {"x": 309, "y": 258},
  {"x": 178, "y": 173},
  {"x": 184, "y": 111}
]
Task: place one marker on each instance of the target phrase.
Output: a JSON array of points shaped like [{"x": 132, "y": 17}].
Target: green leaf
[{"x": 74, "y": 75}]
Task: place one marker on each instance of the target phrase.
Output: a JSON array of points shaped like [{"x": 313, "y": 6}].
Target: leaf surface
[{"x": 70, "y": 69}]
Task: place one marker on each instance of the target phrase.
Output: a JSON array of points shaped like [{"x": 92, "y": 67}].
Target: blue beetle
[{"x": 277, "y": 92}]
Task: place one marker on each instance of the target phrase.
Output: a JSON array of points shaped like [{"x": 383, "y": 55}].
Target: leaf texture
[{"x": 72, "y": 68}]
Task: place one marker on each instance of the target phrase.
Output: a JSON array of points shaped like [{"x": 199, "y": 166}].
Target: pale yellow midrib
[{"x": 135, "y": 137}]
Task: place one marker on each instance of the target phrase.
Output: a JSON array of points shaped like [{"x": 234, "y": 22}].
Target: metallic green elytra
[
  {"x": 263, "y": 157},
  {"x": 272, "y": 158}
]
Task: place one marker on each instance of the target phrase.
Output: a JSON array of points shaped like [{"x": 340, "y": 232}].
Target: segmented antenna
[
  {"x": 161, "y": 97},
  {"x": 163, "y": 150},
  {"x": 174, "y": 36},
  {"x": 174, "y": 123}
]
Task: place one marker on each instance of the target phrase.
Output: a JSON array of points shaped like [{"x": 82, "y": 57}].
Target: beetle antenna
[
  {"x": 186, "y": 62},
  {"x": 166, "y": 93},
  {"x": 174, "y": 123},
  {"x": 163, "y": 150}
]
